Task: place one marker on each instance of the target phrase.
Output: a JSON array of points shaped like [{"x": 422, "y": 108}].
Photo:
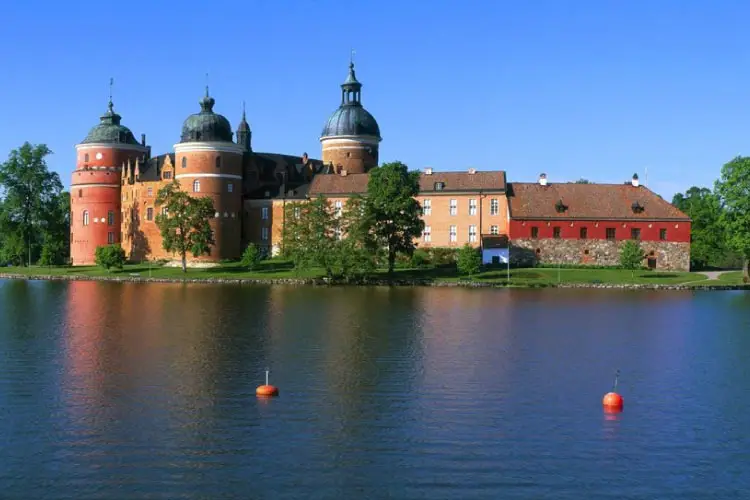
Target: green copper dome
[
  {"x": 110, "y": 131},
  {"x": 206, "y": 126}
]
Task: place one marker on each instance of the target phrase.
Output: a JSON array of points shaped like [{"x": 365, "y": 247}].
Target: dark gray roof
[
  {"x": 351, "y": 119},
  {"x": 110, "y": 131},
  {"x": 206, "y": 126}
]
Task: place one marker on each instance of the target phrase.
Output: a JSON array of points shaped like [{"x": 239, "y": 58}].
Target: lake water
[{"x": 139, "y": 391}]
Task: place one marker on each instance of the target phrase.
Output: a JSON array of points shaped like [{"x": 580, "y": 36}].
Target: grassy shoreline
[{"x": 273, "y": 271}]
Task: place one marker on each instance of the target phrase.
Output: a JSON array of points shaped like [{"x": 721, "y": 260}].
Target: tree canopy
[
  {"x": 184, "y": 222},
  {"x": 734, "y": 189},
  {"x": 393, "y": 210},
  {"x": 34, "y": 209}
]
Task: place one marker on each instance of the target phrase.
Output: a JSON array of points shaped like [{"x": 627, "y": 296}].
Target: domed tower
[
  {"x": 209, "y": 163},
  {"x": 95, "y": 188},
  {"x": 351, "y": 136}
]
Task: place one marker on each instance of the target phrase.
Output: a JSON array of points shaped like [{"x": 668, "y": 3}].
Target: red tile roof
[
  {"x": 463, "y": 181},
  {"x": 332, "y": 184},
  {"x": 588, "y": 201}
]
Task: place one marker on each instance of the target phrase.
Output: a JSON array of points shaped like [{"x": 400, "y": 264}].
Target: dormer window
[
  {"x": 560, "y": 206},
  {"x": 439, "y": 186},
  {"x": 637, "y": 207}
]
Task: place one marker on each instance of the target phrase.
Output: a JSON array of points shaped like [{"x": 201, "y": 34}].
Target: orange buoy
[
  {"x": 612, "y": 401},
  {"x": 266, "y": 390}
]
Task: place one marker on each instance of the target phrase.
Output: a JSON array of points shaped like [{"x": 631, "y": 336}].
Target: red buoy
[
  {"x": 612, "y": 401},
  {"x": 266, "y": 390}
]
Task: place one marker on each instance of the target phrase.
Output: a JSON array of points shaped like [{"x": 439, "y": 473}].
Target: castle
[{"x": 116, "y": 181}]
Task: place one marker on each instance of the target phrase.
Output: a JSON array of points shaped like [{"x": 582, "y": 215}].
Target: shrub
[
  {"x": 251, "y": 257},
  {"x": 469, "y": 260},
  {"x": 109, "y": 256}
]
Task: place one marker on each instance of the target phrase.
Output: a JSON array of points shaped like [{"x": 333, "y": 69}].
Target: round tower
[
  {"x": 208, "y": 163},
  {"x": 351, "y": 136},
  {"x": 95, "y": 189}
]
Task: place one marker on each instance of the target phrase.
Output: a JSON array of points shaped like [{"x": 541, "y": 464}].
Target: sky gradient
[{"x": 589, "y": 89}]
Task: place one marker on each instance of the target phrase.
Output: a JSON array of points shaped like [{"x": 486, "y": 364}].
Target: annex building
[{"x": 116, "y": 181}]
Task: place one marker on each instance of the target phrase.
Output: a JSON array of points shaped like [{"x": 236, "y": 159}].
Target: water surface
[{"x": 147, "y": 391}]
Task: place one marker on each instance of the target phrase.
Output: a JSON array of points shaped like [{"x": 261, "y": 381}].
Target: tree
[
  {"x": 583, "y": 181},
  {"x": 357, "y": 250},
  {"x": 184, "y": 222},
  {"x": 393, "y": 209},
  {"x": 733, "y": 188},
  {"x": 708, "y": 245},
  {"x": 251, "y": 257},
  {"x": 631, "y": 256},
  {"x": 109, "y": 256},
  {"x": 32, "y": 195},
  {"x": 469, "y": 260},
  {"x": 311, "y": 233}
]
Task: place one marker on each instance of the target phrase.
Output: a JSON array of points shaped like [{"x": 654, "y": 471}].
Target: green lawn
[{"x": 281, "y": 269}]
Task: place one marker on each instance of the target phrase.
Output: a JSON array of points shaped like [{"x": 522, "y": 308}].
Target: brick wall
[{"x": 350, "y": 156}]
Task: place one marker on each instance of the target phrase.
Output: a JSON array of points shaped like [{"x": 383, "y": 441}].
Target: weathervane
[{"x": 351, "y": 56}]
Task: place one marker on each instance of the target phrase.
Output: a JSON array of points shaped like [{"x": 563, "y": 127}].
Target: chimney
[
  {"x": 635, "y": 181},
  {"x": 472, "y": 171},
  {"x": 143, "y": 139},
  {"x": 542, "y": 179},
  {"x": 428, "y": 171}
]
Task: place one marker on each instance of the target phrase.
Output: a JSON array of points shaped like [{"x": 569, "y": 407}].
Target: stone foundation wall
[{"x": 671, "y": 256}]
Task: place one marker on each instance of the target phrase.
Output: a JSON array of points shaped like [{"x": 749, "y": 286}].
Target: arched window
[
  {"x": 85, "y": 217},
  {"x": 86, "y": 158},
  {"x": 196, "y": 186},
  {"x": 218, "y": 162},
  {"x": 184, "y": 162}
]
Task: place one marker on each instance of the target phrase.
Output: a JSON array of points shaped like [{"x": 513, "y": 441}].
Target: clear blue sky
[{"x": 575, "y": 89}]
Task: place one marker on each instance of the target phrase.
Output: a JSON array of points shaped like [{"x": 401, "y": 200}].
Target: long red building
[{"x": 576, "y": 223}]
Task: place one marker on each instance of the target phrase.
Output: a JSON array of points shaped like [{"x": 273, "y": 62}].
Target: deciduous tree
[
  {"x": 393, "y": 209},
  {"x": 708, "y": 246},
  {"x": 184, "y": 223},
  {"x": 631, "y": 256},
  {"x": 32, "y": 196},
  {"x": 734, "y": 189}
]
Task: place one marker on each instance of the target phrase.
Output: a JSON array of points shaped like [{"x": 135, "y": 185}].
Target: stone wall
[{"x": 672, "y": 256}]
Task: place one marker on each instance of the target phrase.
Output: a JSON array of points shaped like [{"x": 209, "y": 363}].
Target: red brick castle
[{"x": 116, "y": 181}]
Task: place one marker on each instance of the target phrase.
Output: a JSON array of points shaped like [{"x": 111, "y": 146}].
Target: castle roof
[
  {"x": 110, "y": 130},
  {"x": 588, "y": 201},
  {"x": 351, "y": 118},
  {"x": 206, "y": 126},
  {"x": 452, "y": 182}
]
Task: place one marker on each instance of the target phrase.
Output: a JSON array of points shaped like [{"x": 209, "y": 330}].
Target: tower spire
[
  {"x": 351, "y": 88},
  {"x": 110, "y": 105},
  {"x": 206, "y": 84}
]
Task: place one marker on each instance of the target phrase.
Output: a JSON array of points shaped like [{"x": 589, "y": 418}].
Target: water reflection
[{"x": 147, "y": 391}]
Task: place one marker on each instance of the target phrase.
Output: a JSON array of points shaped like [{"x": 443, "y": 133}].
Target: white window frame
[
  {"x": 196, "y": 186},
  {"x": 472, "y": 233},
  {"x": 427, "y": 234},
  {"x": 494, "y": 206},
  {"x": 453, "y": 207},
  {"x": 338, "y": 206},
  {"x": 85, "y": 217},
  {"x": 264, "y": 213},
  {"x": 494, "y": 230},
  {"x": 427, "y": 207},
  {"x": 453, "y": 233},
  {"x": 111, "y": 238},
  {"x": 472, "y": 206}
]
